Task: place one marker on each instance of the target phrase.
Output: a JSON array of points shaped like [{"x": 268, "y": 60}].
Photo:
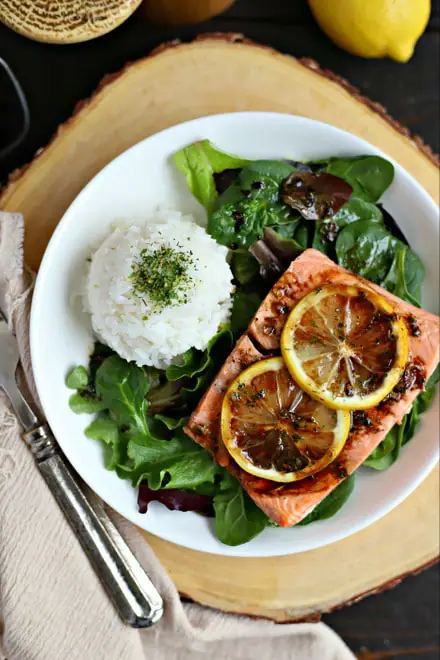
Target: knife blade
[{"x": 133, "y": 594}]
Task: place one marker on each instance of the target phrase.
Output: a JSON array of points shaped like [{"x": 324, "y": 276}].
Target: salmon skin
[{"x": 288, "y": 504}]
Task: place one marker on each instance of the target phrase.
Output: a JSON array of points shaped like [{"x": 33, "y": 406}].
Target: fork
[{"x": 131, "y": 590}]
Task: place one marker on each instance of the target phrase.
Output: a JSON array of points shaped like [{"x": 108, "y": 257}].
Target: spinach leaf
[
  {"x": 244, "y": 266},
  {"x": 85, "y": 400},
  {"x": 425, "y": 398},
  {"x": 244, "y": 307},
  {"x": 357, "y": 209},
  {"x": 274, "y": 170},
  {"x": 389, "y": 449},
  {"x": 237, "y": 518},
  {"x": 250, "y": 204},
  {"x": 354, "y": 210},
  {"x": 323, "y": 237},
  {"x": 369, "y": 176},
  {"x": 175, "y": 463},
  {"x": 289, "y": 229},
  {"x": 198, "y": 162},
  {"x": 77, "y": 378},
  {"x": 406, "y": 275},
  {"x": 367, "y": 249},
  {"x": 332, "y": 503},
  {"x": 243, "y": 223},
  {"x": 123, "y": 388}
]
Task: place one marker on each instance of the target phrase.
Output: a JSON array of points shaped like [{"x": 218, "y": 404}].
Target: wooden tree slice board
[{"x": 223, "y": 73}]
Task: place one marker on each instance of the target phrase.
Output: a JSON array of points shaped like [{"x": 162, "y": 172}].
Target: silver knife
[{"x": 136, "y": 599}]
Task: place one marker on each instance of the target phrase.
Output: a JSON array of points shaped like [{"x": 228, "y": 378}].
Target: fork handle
[{"x": 131, "y": 590}]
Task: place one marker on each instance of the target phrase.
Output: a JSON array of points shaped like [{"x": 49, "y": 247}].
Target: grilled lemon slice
[
  {"x": 345, "y": 346},
  {"x": 274, "y": 430}
]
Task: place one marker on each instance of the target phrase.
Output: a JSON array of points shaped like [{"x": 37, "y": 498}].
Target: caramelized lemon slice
[
  {"x": 274, "y": 430},
  {"x": 345, "y": 346}
]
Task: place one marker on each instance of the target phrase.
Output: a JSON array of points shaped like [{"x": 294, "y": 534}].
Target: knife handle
[{"x": 136, "y": 599}]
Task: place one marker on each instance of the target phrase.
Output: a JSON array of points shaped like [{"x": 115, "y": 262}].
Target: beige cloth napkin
[{"x": 52, "y": 606}]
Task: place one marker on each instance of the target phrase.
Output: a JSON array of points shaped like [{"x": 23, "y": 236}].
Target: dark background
[{"x": 402, "y": 623}]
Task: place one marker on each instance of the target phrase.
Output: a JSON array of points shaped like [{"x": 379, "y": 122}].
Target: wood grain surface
[
  {"x": 213, "y": 74},
  {"x": 65, "y": 21},
  {"x": 399, "y": 623},
  {"x": 138, "y": 102}
]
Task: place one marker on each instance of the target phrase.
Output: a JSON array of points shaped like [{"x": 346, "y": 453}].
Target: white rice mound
[{"x": 136, "y": 328}]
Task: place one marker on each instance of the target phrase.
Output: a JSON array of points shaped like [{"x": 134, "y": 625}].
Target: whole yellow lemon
[{"x": 374, "y": 28}]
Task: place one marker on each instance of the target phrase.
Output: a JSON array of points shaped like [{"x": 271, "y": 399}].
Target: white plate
[{"x": 128, "y": 188}]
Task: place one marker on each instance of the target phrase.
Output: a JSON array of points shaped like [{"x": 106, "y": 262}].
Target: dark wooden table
[{"x": 402, "y": 623}]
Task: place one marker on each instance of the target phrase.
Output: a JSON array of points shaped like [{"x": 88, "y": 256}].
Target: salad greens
[
  {"x": 198, "y": 162},
  {"x": 330, "y": 205},
  {"x": 177, "y": 462},
  {"x": 354, "y": 210},
  {"x": 77, "y": 379},
  {"x": 369, "y": 176},
  {"x": 123, "y": 388},
  {"x": 369, "y": 250},
  {"x": 250, "y": 204},
  {"x": 201, "y": 366},
  {"x": 151, "y": 448},
  {"x": 315, "y": 196},
  {"x": 236, "y": 514}
]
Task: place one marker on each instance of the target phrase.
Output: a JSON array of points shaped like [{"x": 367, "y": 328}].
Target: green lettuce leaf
[
  {"x": 200, "y": 367},
  {"x": 198, "y": 162},
  {"x": 106, "y": 430},
  {"x": 175, "y": 463},
  {"x": 77, "y": 378},
  {"x": 83, "y": 402},
  {"x": 123, "y": 387}
]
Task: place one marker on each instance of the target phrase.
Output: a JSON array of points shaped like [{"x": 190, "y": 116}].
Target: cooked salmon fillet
[{"x": 290, "y": 503}]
